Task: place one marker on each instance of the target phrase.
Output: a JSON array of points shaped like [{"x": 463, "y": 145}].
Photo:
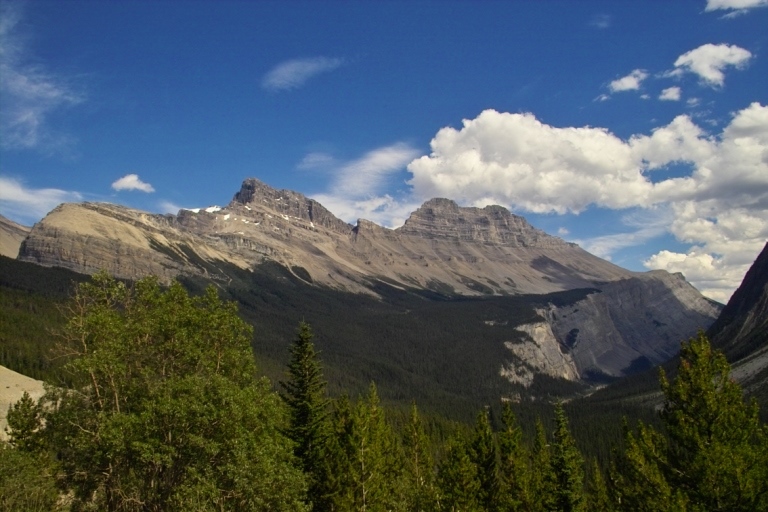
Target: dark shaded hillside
[
  {"x": 740, "y": 332},
  {"x": 742, "y": 327},
  {"x": 443, "y": 352}
]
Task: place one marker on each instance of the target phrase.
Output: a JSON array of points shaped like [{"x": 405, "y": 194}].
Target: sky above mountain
[{"x": 638, "y": 130}]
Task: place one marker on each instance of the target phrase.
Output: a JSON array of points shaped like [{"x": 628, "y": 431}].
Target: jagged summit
[{"x": 255, "y": 193}]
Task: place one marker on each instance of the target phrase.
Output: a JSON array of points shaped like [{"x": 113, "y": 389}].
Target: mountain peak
[
  {"x": 441, "y": 218},
  {"x": 255, "y": 193}
]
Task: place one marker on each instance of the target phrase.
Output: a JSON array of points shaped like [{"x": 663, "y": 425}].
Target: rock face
[
  {"x": 11, "y": 236},
  {"x": 742, "y": 327},
  {"x": 630, "y": 324},
  {"x": 442, "y": 247},
  {"x": 540, "y": 352},
  {"x": 741, "y": 330}
]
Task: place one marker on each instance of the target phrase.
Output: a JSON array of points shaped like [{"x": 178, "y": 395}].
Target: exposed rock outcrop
[
  {"x": 540, "y": 353},
  {"x": 11, "y": 236},
  {"x": 630, "y": 324}
]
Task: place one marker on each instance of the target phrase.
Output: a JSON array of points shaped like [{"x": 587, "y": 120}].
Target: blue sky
[{"x": 637, "y": 129}]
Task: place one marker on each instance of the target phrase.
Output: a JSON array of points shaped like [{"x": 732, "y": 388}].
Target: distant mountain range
[{"x": 587, "y": 320}]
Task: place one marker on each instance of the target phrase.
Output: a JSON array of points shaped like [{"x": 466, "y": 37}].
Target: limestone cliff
[{"x": 11, "y": 236}]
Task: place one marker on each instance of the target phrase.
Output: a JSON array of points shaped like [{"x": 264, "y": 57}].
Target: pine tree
[
  {"x": 714, "y": 451},
  {"x": 305, "y": 395},
  {"x": 598, "y": 499},
  {"x": 541, "y": 489},
  {"x": 567, "y": 467},
  {"x": 24, "y": 424},
  {"x": 421, "y": 493},
  {"x": 484, "y": 455},
  {"x": 363, "y": 459},
  {"x": 513, "y": 467},
  {"x": 457, "y": 479}
]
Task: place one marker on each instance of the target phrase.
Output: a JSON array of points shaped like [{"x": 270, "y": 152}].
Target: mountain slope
[
  {"x": 614, "y": 323},
  {"x": 11, "y": 236}
]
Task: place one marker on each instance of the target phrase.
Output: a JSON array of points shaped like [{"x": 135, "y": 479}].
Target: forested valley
[{"x": 159, "y": 404}]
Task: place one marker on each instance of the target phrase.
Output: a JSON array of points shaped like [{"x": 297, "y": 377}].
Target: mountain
[
  {"x": 741, "y": 330},
  {"x": 11, "y": 236},
  {"x": 589, "y": 319}
]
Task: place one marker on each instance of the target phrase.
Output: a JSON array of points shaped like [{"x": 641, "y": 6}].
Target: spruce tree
[
  {"x": 567, "y": 467},
  {"x": 484, "y": 454},
  {"x": 714, "y": 451},
  {"x": 541, "y": 487},
  {"x": 457, "y": 479},
  {"x": 514, "y": 479},
  {"x": 304, "y": 393},
  {"x": 421, "y": 492}
]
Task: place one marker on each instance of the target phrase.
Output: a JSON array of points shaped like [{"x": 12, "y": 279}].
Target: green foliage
[
  {"x": 166, "y": 413},
  {"x": 484, "y": 454},
  {"x": 712, "y": 453},
  {"x": 458, "y": 479},
  {"x": 567, "y": 467},
  {"x": 514, "y": 474},
  {"x": 364, "y": 462},
  {"x": 305, "y": 396},
  {"x": 24, "y": 423},
  {"x": 418, "y": 469},
  {"x": 26, "y": 482}
]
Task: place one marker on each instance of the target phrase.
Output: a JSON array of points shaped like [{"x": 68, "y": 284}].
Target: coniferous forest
[{"x": 159, "y": 404}]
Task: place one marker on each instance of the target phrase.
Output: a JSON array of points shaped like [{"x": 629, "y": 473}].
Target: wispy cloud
[
  {"x": 735, "y": 7},
  {"x": 601, "y": 21},
  {"x": 293, "y": 74},
  {"x": 357, "y": 187},
  {"x": 28, "y": 205},
  {"x": 367, "y": 175},
  {"x": 29, "y": 92},
  {"x": 132, "y": 182}
]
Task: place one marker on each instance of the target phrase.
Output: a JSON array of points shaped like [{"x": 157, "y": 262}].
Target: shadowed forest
[{"x": 160, "y": 405}]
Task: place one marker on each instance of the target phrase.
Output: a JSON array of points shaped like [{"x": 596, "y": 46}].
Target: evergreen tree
[
  {"x": 514, "y": 482},
  {"x": 713, "y": 456},
  {"x": 366, "y": 455},
  {"x": 542, "y": 491},
  {"x": 457, "y": 479},
  {"x": 567, "y": 467},
  {"x": 421, "y": 493},
  {"x": 24, "y": 424},
  {"x": 598, "y": 499},
  {"x": 484, "y": 455},
  {"x": 304, "y": 393}
]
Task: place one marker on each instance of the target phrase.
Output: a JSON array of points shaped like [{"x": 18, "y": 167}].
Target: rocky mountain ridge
[
  {"x": 11, "y": 236},
  {"x": 630, "y": 319}
]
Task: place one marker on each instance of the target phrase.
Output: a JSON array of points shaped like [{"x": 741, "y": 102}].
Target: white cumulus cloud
[
  {"x": 294, "y": 73},
  {"x": 670, "y": 94},
  {"x": 710, "y": 60},
  {"x": 28, "y": 205},
  {"x": 132, "y": 182},
  {"x": 631, "y": 82},
  {"x": 719, "y": 207}
]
